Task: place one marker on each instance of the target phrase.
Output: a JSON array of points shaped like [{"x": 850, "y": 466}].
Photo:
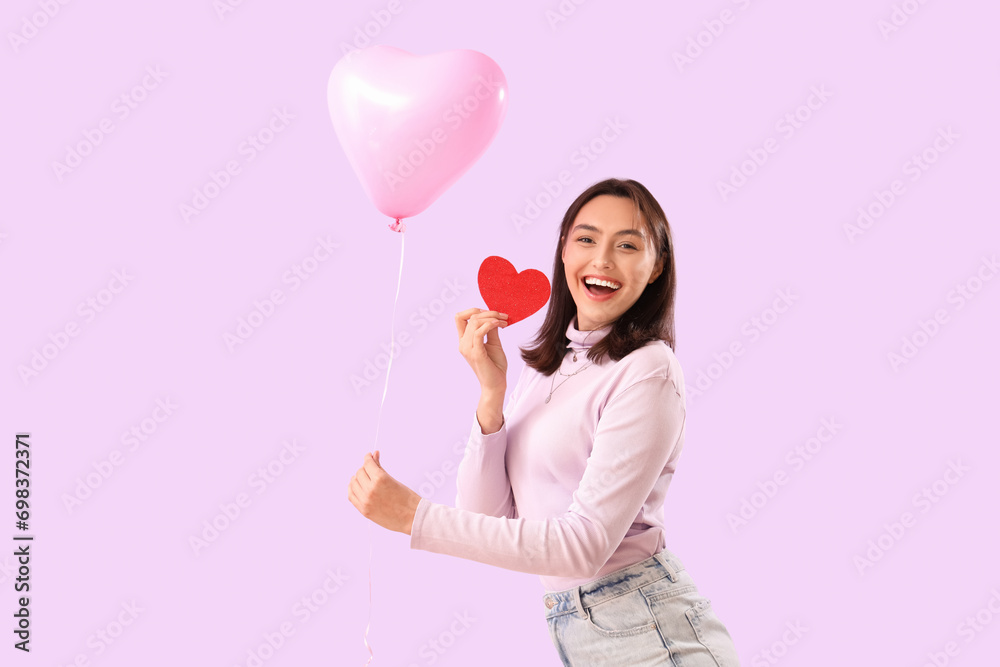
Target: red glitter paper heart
[{"x": 520, "y": 295}]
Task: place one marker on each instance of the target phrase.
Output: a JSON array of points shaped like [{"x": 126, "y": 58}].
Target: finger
[
  {"x": 362, "y": 476},
  {"x": 483, "y": 330},
  {"x": 493, "y": 336},
  {"x": 371, "y": 467},
  {"x": 473, "y": 338},
  {"x": 474, "y": 319},
  {"x": 477, "y": 336},
  {"x": 490, "y": 314},
  {"x": 361, "y": 493},
  {"x": 469, "y": 334},
  {"x": 355, "y": 495},
  {"x": 462, "y": 318},
  {"x": 377, "y": 462}
]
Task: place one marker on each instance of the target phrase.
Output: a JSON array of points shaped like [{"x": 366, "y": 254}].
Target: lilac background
[{"x": 826, "y": 357}]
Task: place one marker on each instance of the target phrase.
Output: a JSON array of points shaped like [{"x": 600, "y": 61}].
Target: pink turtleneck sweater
[{"x": 571, "y": 489}]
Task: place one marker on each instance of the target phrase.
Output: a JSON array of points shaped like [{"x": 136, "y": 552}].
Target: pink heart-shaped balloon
[{"x": 412, "y": 125}]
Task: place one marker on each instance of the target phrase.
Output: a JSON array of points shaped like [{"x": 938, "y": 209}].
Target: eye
[{"x": 626, "y": 244}]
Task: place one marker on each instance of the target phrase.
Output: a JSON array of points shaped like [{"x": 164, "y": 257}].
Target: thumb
[{"x": 493, "y": 336}]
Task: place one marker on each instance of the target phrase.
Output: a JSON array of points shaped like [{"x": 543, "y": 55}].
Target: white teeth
[{"x": 595, "y": 281}]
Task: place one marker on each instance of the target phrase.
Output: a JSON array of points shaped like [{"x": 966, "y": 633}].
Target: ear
[{"x": 657, "y": 270}]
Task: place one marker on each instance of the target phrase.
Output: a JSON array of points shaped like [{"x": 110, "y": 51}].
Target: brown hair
[{"x": 650, "y": 318}]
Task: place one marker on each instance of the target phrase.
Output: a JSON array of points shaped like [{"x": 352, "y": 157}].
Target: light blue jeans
[{"x": 649, "y": 613}]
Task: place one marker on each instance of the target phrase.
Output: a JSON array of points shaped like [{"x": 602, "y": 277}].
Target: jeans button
[{"x": 549, "y": 602}]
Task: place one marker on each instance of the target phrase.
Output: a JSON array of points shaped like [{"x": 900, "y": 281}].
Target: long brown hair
[{"x": 650, "y": 318}]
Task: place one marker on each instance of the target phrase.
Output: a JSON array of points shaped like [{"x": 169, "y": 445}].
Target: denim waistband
[{"x": 574, "y": 600}]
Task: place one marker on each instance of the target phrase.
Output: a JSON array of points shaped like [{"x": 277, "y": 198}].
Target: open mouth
[{"x": 599, "y": 289}]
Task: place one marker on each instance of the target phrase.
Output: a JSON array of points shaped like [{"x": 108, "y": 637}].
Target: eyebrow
[{"x": 624, "y": 232}]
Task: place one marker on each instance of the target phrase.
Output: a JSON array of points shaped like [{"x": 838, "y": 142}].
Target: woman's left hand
[{"x": 381, "y": 498}]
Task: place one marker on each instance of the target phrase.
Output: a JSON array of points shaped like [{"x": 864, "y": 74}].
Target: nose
[{"x": 602, "y": 257}]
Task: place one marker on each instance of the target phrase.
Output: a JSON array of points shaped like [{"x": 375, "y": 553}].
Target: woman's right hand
[{"x": 487, "y": 360}]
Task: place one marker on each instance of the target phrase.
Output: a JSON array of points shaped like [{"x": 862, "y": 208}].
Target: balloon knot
[{"x": 397, "y": 226}]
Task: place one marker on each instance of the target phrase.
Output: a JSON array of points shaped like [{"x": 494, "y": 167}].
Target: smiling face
[{"x": 604, "y": 242}]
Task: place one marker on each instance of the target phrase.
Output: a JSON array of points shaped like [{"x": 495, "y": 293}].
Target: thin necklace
[{"x": 552, "y": 390}]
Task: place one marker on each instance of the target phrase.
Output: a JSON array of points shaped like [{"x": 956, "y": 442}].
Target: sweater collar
[{"x": 581, "y": 340}]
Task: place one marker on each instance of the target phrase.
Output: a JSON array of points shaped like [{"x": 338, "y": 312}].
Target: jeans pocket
[
  {"x": 688, "y": 626},
  {"x": 711, "y": 633},
  {"x": 623, "y": 616},
  {"x": 664, "y": 587}
]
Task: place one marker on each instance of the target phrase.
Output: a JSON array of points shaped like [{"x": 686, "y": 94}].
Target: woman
[{"x": 568, "y": 480}]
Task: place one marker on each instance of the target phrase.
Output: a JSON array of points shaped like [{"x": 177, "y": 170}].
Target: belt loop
[
  {"x": 579, "y": 602},
  {"x": 671, "y": 571}
]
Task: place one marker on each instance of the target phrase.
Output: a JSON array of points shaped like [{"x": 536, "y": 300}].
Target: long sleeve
[
  {"x": 638, "y": 439},
  {"x": 481, "y": 480}
]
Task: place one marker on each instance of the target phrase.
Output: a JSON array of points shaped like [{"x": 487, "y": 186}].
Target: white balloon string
[{"x": 401, "y": 228}]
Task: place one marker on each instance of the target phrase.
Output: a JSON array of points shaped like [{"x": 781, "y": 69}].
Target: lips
[{"x": 602, "y": 295}]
